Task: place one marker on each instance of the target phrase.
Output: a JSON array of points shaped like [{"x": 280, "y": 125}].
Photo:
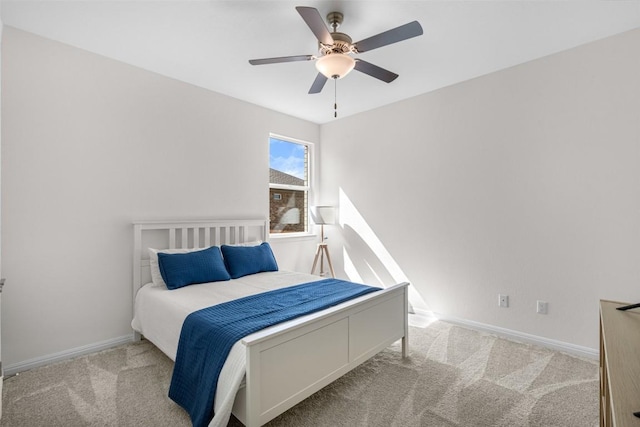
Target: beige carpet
[{"x": 454, "y": 377}]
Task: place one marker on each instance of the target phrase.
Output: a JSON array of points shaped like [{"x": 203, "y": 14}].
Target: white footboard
[{"x": 287, "y": 365}]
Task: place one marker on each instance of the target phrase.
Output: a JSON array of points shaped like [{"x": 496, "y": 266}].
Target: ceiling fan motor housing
[{"x": 341, "y": 44}]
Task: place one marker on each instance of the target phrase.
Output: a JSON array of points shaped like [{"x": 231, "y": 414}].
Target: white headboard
[{"x": 188, "y": 234}]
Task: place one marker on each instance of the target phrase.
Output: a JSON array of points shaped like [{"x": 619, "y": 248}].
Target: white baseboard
[
  {"x": 65, "y": 355},
  {"x": 565, "y": 347}
]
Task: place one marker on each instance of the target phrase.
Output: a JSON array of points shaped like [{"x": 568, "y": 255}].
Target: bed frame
[{"x": 289, "y": 362}]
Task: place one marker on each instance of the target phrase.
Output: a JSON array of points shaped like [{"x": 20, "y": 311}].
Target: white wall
[
  {"x": 90, "y": 144},
  {"x": 523, "y": 182}
]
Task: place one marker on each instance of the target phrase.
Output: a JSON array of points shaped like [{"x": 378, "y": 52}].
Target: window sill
[{"x": 292, "y": 236}]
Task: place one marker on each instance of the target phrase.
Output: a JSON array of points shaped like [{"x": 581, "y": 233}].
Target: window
[{"x": 288, "y": 185}]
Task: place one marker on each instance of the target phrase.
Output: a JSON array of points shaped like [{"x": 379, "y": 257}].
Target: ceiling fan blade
[
  {"x": 280, "y": 59},
  {"x": 403, "y": 32},
  {"x": 315, "y": 22},
  {"x": 318, "y": 83},
  {"x": 375, "y": 71}
]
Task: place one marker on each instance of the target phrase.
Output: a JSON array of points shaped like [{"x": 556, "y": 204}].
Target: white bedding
[{"x": 159, "y": 314}]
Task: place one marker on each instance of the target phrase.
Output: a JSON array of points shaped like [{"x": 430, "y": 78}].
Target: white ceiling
[{"x": 209, "y": 43}]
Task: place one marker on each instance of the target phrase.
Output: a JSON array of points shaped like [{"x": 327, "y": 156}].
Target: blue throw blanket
[{"x": 207, "y": 335}]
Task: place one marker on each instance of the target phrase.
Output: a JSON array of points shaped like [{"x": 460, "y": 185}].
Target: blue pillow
[
  {"x": 245, "y": 260},
  {"x": 204, "y": 266}
]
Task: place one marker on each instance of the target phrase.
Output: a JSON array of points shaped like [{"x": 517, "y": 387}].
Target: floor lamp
[{"x": 323, "y": 215}]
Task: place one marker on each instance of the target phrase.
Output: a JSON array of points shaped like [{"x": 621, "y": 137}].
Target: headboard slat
[
  {"x": 172, "y": 238},
  {"x": 207, "y": 236},
  {"x": 185, "y": 237},
  {"x": 196, "y": 238}
]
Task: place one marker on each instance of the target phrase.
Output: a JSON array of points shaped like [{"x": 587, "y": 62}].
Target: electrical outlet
[
  {"x": 503, "y": 300},
  {"x": 541, "y": 307}
]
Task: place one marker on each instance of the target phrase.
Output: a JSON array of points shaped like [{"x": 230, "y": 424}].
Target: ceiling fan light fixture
[{"x": 335, "y": 66}]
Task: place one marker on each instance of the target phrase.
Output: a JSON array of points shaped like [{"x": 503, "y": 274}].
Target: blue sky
[{"x": 287, "y": 157}]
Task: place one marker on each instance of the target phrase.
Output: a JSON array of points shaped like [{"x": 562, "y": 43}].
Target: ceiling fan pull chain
[{"x": 335, "y": 98}]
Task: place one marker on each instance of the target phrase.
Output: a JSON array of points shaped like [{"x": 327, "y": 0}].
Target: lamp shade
[
  {"x": 336, "y": 65},
  {"x": 323, "y": 215}
]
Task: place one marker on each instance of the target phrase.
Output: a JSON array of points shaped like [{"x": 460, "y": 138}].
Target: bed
[{"x": 269, "y": 371}]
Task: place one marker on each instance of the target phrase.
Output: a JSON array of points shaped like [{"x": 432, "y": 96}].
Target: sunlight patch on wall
[
  {"x": 350, "y": 218},
  {"x": 349, "y": 268},
  {"x": 373, "y": 272}
]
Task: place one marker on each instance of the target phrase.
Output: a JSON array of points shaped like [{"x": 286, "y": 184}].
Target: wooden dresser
[{"x": 619, "y": 365}]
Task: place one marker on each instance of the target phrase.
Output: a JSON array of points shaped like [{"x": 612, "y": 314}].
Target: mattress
[{"x": 159, "y": 314}]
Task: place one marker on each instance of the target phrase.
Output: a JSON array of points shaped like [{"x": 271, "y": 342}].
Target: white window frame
[{"x": 308, "y": 188}]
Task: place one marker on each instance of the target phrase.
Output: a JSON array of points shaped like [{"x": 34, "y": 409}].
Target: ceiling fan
[{"x": 335, "y": 60}]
